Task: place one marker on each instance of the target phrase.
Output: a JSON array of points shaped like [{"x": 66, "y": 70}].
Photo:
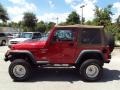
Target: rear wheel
[
  {"x": 91, "y": 70},
  {"x": 20, "y": 70}
]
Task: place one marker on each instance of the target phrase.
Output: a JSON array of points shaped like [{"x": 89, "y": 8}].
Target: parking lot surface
[{"x": 62, "y": 78}]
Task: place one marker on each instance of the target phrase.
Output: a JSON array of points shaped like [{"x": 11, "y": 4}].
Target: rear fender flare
[{"x": 87, "y": 52}]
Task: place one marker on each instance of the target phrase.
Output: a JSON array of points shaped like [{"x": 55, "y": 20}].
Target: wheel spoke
[
  {"x": 19, "y": 71},
  {"x": 92, "y": 71}
]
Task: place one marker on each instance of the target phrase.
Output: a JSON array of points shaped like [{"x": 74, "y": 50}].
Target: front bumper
[
  {"x": 9, "y": 46},
  {"x": 8, "y": 56}
]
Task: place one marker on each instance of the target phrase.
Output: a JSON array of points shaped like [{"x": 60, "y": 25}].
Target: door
[{"x": 64, "y": 46}]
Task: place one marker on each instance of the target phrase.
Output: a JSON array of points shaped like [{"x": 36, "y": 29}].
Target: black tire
[
  {"x": 3, "y": 43},
  {"x": 88, "y": 64},
  {"x": 22, "y": 63},
  {"x": 77, "y": 67}
]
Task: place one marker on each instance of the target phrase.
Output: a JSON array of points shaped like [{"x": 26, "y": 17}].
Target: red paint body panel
[{"x": 61, "y": 52}]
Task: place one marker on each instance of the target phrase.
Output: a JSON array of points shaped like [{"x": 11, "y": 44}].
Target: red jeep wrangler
[{"x": 82, "y": 46}]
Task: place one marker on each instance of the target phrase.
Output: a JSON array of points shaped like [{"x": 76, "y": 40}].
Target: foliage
[
  {"x": 117, "y": 27},
  {"x": 89, "y": 23},
  {"x": 118, "y": 21},
  {"x": 30, "y": 21},
  {"x": 103, "y": 16},
  {"x": 3, "y": 14},
  {"x": 73, "y": 18},
  {"x": 115, "y": 30},
  {"x": 41, "y": 27},
  {"x": 63, "y": 23},
  {"x": 50, "y": 25}
]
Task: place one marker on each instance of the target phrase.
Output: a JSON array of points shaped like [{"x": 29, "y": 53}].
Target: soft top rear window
[{"x": 90, "y": 36}]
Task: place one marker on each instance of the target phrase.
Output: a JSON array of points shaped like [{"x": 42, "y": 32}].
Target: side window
[
  {"x": 90, "y": 36},
  {"x": 36, "y": 35},
  {"x": 64, "y": 35}
]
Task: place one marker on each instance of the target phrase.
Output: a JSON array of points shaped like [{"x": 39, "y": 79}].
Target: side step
[{"x": 47, "y": 64}]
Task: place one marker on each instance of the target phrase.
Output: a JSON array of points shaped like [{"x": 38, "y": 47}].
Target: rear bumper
[{"x": 107, "y": 61}]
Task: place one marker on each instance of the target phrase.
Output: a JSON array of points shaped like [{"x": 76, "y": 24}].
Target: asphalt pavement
[{"x": 62, "y": 78}]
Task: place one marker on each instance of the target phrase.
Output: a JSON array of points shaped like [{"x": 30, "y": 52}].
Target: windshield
[
  {"x": 45, "y": 36},
  {"x": 26, "y": 35}
]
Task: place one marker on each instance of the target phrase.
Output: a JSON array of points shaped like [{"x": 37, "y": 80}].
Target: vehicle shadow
[
  {"x": 55, "y": 74},
  {"x": 110, "y": 75},
  {"x": 70, "y": 75}
]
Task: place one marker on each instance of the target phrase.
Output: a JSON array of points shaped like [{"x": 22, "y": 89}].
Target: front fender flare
[{"x": 13, "y": 53}]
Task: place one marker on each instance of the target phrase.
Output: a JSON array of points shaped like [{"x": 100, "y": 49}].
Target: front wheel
[
  {"x": 91, "y": 70},
  {"x": 20, "y": 70}
]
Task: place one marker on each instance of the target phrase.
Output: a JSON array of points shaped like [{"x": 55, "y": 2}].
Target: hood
[
  {"x": 29, "y": 44},
  {"x": 19, "y": 39}
]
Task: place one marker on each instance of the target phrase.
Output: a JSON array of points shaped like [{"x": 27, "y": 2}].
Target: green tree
[
  {"x": 62, "y": 23},
  {"x": 118, "y": 21},
  {"x": 41, "y": 26},
  {"x": 103, "y": 16},
  {"x": 21, "y": 26},
  {"x": 30, "y": 21},
  {"x": 73, "y": 18},
  {"x": 50, "y": 25},
  {"x": 13, "y": 24},
  {"x": 89, "y": 22},
  {"x": 117, "y": 28},
  {"x": 3, "y": 14}
]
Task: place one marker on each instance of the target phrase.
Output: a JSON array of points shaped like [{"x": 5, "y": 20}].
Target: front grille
[{"x": 13, "y": 42}]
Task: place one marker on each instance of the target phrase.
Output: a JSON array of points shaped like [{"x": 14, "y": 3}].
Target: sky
[{"x": 50, "y": 10}]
